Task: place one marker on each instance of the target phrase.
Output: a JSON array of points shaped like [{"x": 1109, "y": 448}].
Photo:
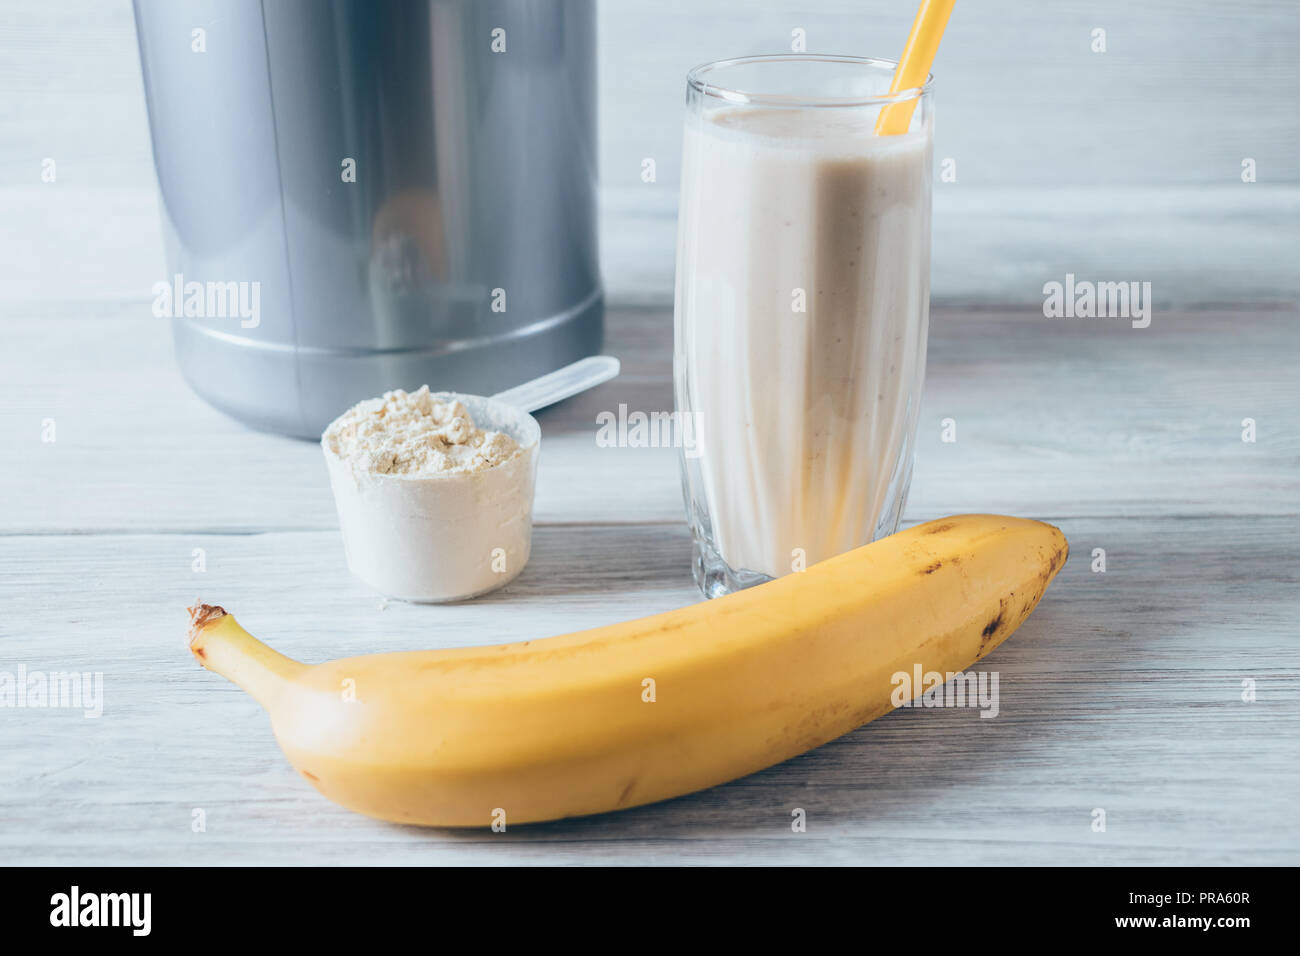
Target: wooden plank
[
  {"x": 1138, "y": 113},
  {"x": 993, "y": 247},
  {"x": 1078, "y": 417},
  {"x": 1123, "y": 691},
  {"x": 996, "y": 246},
  {"x": 1135, "y": 114},
  {"x": 1104, "y": 168}
]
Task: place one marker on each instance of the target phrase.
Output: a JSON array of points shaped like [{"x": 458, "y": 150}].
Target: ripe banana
[{"x": 649, "y": 709}]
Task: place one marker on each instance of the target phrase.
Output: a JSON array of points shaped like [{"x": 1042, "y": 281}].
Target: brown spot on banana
[
  {"x": 991, "y": 628},
  {"x": 993, "y": 625}
]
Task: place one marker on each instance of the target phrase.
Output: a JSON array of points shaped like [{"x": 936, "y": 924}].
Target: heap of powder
[{"x": 416, "y": 434}]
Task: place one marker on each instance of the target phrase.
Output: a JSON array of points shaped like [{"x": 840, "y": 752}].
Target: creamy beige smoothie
[{"x": 802, "y": 303}]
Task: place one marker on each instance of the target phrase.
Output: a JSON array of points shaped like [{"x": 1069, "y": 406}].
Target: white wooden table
[{"x": 1122, "y": 692}]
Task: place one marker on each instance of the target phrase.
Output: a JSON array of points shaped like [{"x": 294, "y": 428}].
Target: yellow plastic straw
[{"x": 914, "y": 65}]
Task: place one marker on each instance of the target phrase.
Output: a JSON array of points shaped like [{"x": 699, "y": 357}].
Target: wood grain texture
[
  {"x": 1123, "y": 165},
  {"x": 1121, "y": 692},
  {"x": 992, "y": 247},
  {"x": 1021, "y": 98},
  {"x": 1073, "y": 417},
  {"x": 1162, "y": 106}
]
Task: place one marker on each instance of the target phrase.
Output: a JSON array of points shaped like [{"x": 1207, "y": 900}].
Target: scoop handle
[{"x": 561, "y": 384}]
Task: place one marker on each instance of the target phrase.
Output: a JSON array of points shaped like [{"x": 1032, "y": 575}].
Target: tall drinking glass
[{"x": 802, "y": 303}]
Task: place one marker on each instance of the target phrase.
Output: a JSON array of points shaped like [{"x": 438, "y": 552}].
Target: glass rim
[{"x": 695, "y": 80}]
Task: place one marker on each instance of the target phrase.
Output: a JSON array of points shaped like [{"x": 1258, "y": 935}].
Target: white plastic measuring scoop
[{"x": 450, "y": 537}]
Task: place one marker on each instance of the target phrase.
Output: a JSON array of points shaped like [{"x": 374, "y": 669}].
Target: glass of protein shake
[{"x": 802, "y": 301}]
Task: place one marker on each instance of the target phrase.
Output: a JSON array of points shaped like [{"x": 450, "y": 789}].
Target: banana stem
[{"x": 222, "y": 646}]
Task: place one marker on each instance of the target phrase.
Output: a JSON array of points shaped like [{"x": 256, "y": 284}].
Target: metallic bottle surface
[{"x": 363, "y": 196}]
